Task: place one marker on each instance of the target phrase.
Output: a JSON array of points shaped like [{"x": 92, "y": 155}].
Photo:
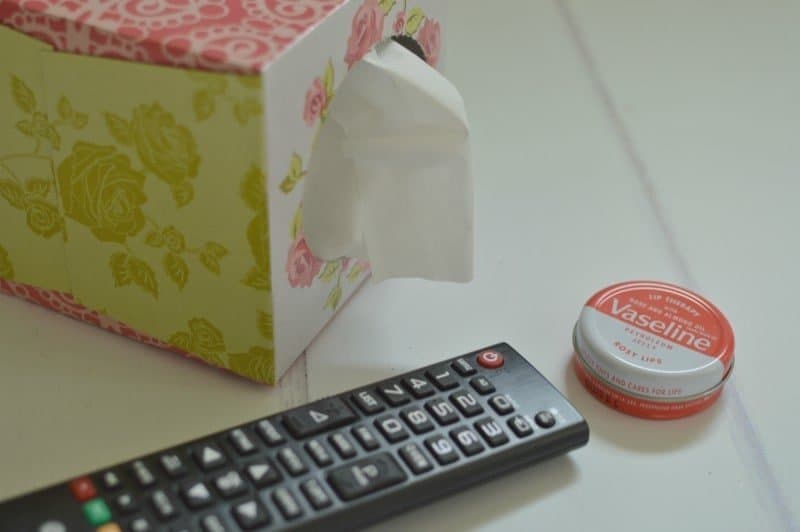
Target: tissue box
[{"x": 152, "y": 156}]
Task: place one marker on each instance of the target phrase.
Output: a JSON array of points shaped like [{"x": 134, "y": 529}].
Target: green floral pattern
[
  {"x": 254, "y": 194},
  {"x": 213, "y": 92},
  {"x": 206, "y": 341},
  {"x": 101, "y": 190},
  {"x": 33, "y": 194}
]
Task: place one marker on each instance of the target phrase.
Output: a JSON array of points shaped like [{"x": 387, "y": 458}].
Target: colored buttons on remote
[
  {"x": 365, "y": 476},
  {"x": 96, "y": 512},
  {"x": 490, "y": 359},
  {"x": 318, "y": 417},
  {"x": 82, "y": 489}
]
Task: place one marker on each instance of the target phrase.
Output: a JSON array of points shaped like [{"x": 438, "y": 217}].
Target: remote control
[{"x": 339, "y": 463}]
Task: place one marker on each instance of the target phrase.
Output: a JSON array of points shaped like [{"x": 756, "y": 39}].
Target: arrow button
[
  {"x": 317, "y": 417},
  {"x": 250, "y": 514}
]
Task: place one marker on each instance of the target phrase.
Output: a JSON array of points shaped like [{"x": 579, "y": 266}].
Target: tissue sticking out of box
[{"x": 390, "y": 177}]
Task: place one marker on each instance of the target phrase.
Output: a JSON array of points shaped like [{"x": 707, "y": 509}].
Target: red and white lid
[{"x": 655, "y": 340}]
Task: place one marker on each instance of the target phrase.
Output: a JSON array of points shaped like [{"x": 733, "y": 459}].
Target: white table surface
[{"x": 612, "y": 140}]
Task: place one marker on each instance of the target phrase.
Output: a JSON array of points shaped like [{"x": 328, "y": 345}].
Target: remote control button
[
  {"x": 463, "y": 367},
  {"x": 442, "y": 377},
  {"x": 96, "y": 512},
  {"x": 163, "y": 505},
  {"x": 318, "y": 417},
  {"x": 466, "y": 403},
  {"x": 520, "y": 426},
  {"x": 241, "y": 442},
  {"x": 491, "y": 359},
  {"x": 172, "y": 465},
  {"x": 269, "y": 433},
  {"x": 417, "y": 419},
  {"x": 391, "y": 428},
  {"x": 196, "y": 495},
  {"x": 212, "y": 523},
  {"x": 501, "y": 404},
  {"x": 318, "y": 453},
  {"x": 82, "y": 489},
  {"x": 108, "y": 527},
  {"x": 366, "y": 438},
  {"x": 366, "y": 476},
  {"x": 414, "y": 458},
  {"x": 286, "y": 503},
  {"x": 482, "y": 385},
  {"x": 315, "y": 494},
  {"x": 111, "y": 481},
  {"x": 125, "y": 503},
  {"x": 491, "y": 431},
  {"x": 467, "y": 440},
  {"x": 263, "y": 474},
  {"x": 342, "y": 445},
  {"x": 230, "y": 484},
  {"x": 443, "y": 411},
  {"x": 419, "y": 387},
  {"x": 545, "y": 419},
  {"x": 209, "y": 456},
  {"x": 143, "y": 474},
  {"x": 441, "y": 449},
  {"x": 250, "y": 514},
  {"x": 291, "y": 461},
  {"x": 394, "y": 394},
  {"x": 140, "y": 524},
  {"x": 367, "y": 402}
]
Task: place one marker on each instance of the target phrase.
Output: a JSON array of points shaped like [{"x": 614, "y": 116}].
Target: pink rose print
[
  {"x": 431, "y": 40},
  {"x": 301, "y": 265},
  {"x": 399, "y": 22},
  {"x": 366, "y": 31},
  {"x": 316, "y": 101}
]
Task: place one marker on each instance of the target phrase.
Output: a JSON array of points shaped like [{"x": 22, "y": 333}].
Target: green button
[{"x": 97, "y": 512}]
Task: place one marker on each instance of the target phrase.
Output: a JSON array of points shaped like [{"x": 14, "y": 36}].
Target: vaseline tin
[{"x": 653, "y": 350}]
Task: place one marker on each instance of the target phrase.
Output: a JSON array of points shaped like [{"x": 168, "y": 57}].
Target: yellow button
[{"x": 109, "y": 527}]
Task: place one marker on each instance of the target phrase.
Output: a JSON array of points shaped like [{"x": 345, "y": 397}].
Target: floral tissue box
[{"x": 152, "y": 156}]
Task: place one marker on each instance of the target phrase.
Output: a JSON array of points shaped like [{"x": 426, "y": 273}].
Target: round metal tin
[{"x": 653, "y": 349}]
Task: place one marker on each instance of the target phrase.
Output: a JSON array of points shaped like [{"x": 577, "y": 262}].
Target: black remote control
[{"x": 339, "y": 463}]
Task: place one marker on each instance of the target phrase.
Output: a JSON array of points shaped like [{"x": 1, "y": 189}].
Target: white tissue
[{"x": 390, "y": 178}]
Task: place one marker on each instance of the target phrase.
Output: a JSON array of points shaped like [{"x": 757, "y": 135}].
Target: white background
[{"x": 612, "y": 140}]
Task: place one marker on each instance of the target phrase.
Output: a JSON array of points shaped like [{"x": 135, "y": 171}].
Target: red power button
[{"x": 490, "y": 359}]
